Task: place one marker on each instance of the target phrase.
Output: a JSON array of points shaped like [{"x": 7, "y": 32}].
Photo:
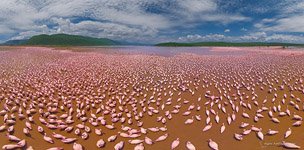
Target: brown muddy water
[{"x": 129, "y": 81}]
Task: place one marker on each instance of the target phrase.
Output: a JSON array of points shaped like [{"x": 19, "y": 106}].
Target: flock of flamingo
[{"x": 91, "y": 100}]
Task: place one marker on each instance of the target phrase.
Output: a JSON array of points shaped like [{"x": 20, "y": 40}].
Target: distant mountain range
[
  {"x": 77, "y": 40},
  {"x": 225, "y": 44},
  {"x": 63, "y": 40},
  {"x": 15, "y": 42}
]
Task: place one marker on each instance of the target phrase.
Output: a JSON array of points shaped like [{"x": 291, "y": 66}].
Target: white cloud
[
  {"x": 252, "y": 37},
  {"x": 286, "y": 24},
  {"x": 294, "y": 7},
  {"x": 199, "y": 38},
  {"x": 4, "y": 29},
  {"x": 92, "y": 28},
  {"x": 198, "y": 6},
  {"x": 257, "y": 36},
  {"x": 290, "y": 18},
  {"x": 244, "y": 29},
  {"x": 130, "y": 20},
  {"x": 286, "y": 38},
  {"x": 16, "y": 16},
  {"x": 27, "y": 16},
  {"x": 227, "y": 30},
  {"x": 224, "y": 18}
]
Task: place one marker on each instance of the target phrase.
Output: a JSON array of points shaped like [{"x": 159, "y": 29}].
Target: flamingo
[
  {"x": 139, "y": 147},
  {"x": 189, "y": 121},
  {"x": 245, "y": 115},
  {"x": 148, "y": 141},
  {"x": 244, "y": 125},
  {"x": 246, "y": 132},
  {"x": 119, "y": 145},
  {"x": 238, "y": 137},
  {"x": 162, "y": 138},
  {"x": 77, "y": 146},
  {"x": 190, "y": 146},
  {"x": 229, "y": 120},
  {"x": 260, "y": 135},
  {"x": 68, "y": 140},
  {"x": 217, "y": 118},
  {"x": 21, "y": 143},
  {"x": 290, "y": 145},
  {"x": 175, "y": 143},
  {"x": 112, "y": 138},
  {"x": 223, "y": 128},
  {"x": 208, "y": 127},
  {"x": 208, "y": 120},
  {"x": 136, "y": 141},
  {"x": 13, "y": 138},
  {"x": 275, "y": 120},
  {"x": 213, "y": 145},
  {"x": 48, "y": 139},
  {"x": 10, "y": 146},
  {"x": 272, "y": 132},
  {"x": 55, "y": 148},
  {"x": 287, "y": 133}
]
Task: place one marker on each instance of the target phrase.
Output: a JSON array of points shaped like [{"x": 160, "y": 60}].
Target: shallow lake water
[
  {"x": 153, "y": 50},
  {"x": 127, "y": 81}
]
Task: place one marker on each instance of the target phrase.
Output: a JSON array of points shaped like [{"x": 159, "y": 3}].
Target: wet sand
[{"x": 128, "y": 79}]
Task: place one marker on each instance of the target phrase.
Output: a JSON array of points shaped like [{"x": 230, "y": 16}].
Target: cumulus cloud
[
  {"x": 257, "y": 36},
  {"x": 286, "y": 24},
  {"x": 290, "y": 18},
  {"x": 200, "y": 38},
  {"x": 294, "y": 7},
  {"x": 286, "y": 38},
  {"x": 244, "y": 29},
  {"x": 125, "y": 19},
  {"x": 227, "y": 30},
  {"x": 4, "y": 29},
  {"x": 198, "y": 6},
  {"x": 91, "y": 28},
  {"x": 144, "y": 20},
  {"x": 224, "y": 18},
  {"x": 252, "y": 37}
]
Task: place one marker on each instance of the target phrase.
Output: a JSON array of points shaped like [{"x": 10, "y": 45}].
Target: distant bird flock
[{"x": 53, "y": 99}]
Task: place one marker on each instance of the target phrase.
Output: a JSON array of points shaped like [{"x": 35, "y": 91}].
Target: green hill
[
  {"x": 68, "y": 40},
  {"x": 225, "y": 44}
]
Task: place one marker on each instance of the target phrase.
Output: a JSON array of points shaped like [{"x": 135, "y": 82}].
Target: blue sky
[{"x": 153, "y": 21}]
